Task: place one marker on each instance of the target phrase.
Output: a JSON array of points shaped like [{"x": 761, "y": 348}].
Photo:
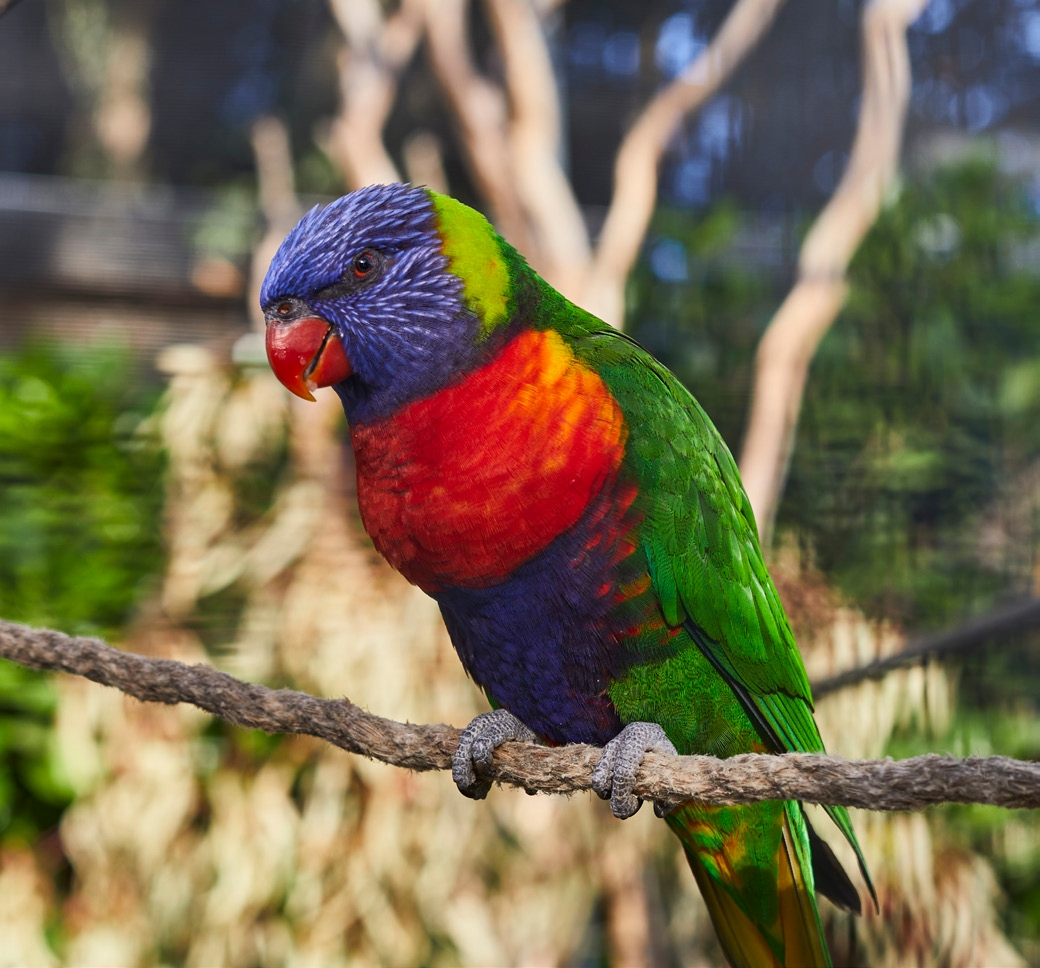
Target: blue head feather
[{"x": 408, "y": 334}]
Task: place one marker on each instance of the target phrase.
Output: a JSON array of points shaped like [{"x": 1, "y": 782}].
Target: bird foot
[
  {"x": 615, "y": 774},
  {"x": 477, "y": 746}
]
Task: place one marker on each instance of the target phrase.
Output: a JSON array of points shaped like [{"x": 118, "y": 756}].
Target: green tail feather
[{"x": 754, "y": 869}]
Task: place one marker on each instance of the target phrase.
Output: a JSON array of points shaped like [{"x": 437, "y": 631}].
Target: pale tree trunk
[
  {"x": 272, "y": 154},
  {"x": 106, "y": 56},
  {"x": 376, "y": 51},
  {"x": 786, "y": 349},
  {"x": 534, "y": 139},
  {"x": 638, "y": 158},
  {"x": 123, "y": 114},
  {"x": 480, "y": 111}
]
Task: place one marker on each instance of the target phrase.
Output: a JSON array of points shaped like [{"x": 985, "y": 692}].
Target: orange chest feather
[{"x": 463, "y": 487}]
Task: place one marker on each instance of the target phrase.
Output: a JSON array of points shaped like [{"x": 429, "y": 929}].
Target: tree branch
[
  {"x": 535, "y": 135},
  {"x": 790, "y": 341},
  {"x": 999, "y": 621},
  {"x": 272, "y": 153},
  {"x": 872, "y": 784},
  {"x": 480, "y": 111},
  {"x": 635, "y": 168},
  {"x": 376, "y": 51}
]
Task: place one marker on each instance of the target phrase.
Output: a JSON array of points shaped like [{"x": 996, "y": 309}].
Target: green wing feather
[{"x": 701, "y": 544}]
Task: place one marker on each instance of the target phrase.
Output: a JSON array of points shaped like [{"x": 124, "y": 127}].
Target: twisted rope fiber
[{"x": 911, "y": 784}]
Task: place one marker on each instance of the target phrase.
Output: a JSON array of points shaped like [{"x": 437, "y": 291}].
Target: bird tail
[{"x": 754, "y": 869}]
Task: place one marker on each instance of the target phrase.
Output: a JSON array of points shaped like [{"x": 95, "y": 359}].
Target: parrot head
[{"x": 386, "y": 294}]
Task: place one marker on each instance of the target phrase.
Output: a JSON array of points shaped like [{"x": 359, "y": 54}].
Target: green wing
[{"x": 701, "y": 543}]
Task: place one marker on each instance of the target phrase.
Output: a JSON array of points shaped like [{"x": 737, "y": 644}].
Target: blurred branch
[
  {"x": 479, "y": 109},
  {"x": 535, "y": 135},
  {"x": 788, "y": 345},
  {"x": 635, "y": 169},
  {"x": 376, "y": 51},
  {"x": 274, "y": 172},
  {"x": 122, "y": 115},
  {"x": 276, "y": 189},
  {"x": 999, "y": 621},
  {"x": 512, "y": 137},
  {"x": 872, "y": 784},
  {"x": 424, "y": 161}
]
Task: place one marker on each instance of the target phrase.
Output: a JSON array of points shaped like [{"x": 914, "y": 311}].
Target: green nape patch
[{"x": 475, "y": 256}]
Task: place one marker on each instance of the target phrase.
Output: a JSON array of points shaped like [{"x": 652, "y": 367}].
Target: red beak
[{"x": 306, "y": 354}]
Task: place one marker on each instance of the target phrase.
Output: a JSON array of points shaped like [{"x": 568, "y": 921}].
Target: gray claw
[
  {"x": 615, "y": 774},
  {"x": 477, "y": 746}
]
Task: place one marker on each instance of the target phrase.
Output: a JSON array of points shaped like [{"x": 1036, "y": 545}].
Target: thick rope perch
[{"x": 872, "y": 784}]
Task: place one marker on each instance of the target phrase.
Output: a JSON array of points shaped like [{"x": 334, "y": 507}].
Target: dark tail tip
[{"x": 831, "y": 880}]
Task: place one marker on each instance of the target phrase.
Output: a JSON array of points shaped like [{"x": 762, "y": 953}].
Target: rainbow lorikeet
[{"x": 578, "y": 519}]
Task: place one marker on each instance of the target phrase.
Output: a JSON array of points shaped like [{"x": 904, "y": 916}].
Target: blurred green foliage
[
  {"x": 80, "y": 506},
  {"x": 920, "y": 412}
]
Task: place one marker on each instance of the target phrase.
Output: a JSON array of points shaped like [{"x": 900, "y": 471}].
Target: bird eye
[
  {"x": 284, "y": 308},
  {"x": 363, "y": 264},
  {"x": 361, "y": 271}
]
